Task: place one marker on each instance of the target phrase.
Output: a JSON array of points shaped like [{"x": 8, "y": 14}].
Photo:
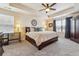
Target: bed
[{"x": 41, "y": 39}]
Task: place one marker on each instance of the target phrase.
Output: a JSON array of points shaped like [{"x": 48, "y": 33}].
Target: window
[
  {"x": 63, "y": 25},
  {"x": 6, "y": 23},
  {"x": 60, "y": 25}
]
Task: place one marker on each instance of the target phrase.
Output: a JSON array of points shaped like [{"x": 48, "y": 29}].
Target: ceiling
[
  {"x": 58, "y": 6},
  {"x": 33, "y": 8}
]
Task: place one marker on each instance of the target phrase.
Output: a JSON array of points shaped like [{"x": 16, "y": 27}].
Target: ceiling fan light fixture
[{"x": 47, "y": 9}]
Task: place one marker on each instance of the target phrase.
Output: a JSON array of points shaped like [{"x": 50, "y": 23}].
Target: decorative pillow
[{"x": 38, "y": 29}]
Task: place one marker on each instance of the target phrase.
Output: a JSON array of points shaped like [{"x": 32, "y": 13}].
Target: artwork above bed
[{"x": 34, "y": 22}]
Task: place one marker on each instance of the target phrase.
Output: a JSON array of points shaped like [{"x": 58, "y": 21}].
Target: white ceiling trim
[
  {"x": 22, "y": 7},
  {"x": 63, "y": 13}
]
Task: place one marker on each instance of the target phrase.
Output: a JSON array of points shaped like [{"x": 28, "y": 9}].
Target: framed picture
[
  {"x": 34, "y": 22},
  {"x": 50, "y": 24}
]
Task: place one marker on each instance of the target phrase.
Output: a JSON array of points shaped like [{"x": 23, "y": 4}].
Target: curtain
[
  {"x": 54, "y": 25},
  {"x": 68, "y": 27}
]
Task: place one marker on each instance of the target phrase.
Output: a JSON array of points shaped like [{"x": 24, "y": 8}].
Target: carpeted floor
[{"x": 63, "y": 47}]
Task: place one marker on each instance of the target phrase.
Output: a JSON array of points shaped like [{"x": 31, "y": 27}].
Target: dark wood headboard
[{"x": 27, "y": 29}]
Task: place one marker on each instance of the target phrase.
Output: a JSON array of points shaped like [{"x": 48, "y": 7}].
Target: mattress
[{"x": 40, "y": 37}]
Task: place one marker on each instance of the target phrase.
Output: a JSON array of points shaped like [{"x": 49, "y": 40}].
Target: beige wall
[
  {"x": 17, "y": 21},
  {"x": 47, "y": 24}
]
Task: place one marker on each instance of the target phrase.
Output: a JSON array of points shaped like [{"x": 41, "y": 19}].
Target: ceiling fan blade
[
  {"x": 43, "y": 4},
  {"x": 52, "y": 4},
  {"x": 47, "y": 5},
  {"x": 41, "y": 9},
  {"x": 52, "y": 9}
]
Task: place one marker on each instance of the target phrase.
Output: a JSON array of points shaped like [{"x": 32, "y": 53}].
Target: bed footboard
[
  {"x": 46, "y": 43},
  {"x": 42, "y": 45}
]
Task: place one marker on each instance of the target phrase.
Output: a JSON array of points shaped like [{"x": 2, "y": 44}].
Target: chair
[
  {"x": 5, "y": 39},
  {"x": 15, "y": 36},
  {"x": 1, "y": 49},
  {"x": 10, "y": 37}
]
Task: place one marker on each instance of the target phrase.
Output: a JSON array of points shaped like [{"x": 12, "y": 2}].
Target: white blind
[{"x": 6, "y": 23}]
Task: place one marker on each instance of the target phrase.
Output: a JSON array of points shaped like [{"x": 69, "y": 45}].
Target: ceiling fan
[{"x": 48, "y": 7}]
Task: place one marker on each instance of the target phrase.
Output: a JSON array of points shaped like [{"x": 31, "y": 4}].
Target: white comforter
[{"x": 40, "y": 37}]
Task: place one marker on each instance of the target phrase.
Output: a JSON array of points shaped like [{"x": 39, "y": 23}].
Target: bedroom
[{"x": 40, "y": 28}]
